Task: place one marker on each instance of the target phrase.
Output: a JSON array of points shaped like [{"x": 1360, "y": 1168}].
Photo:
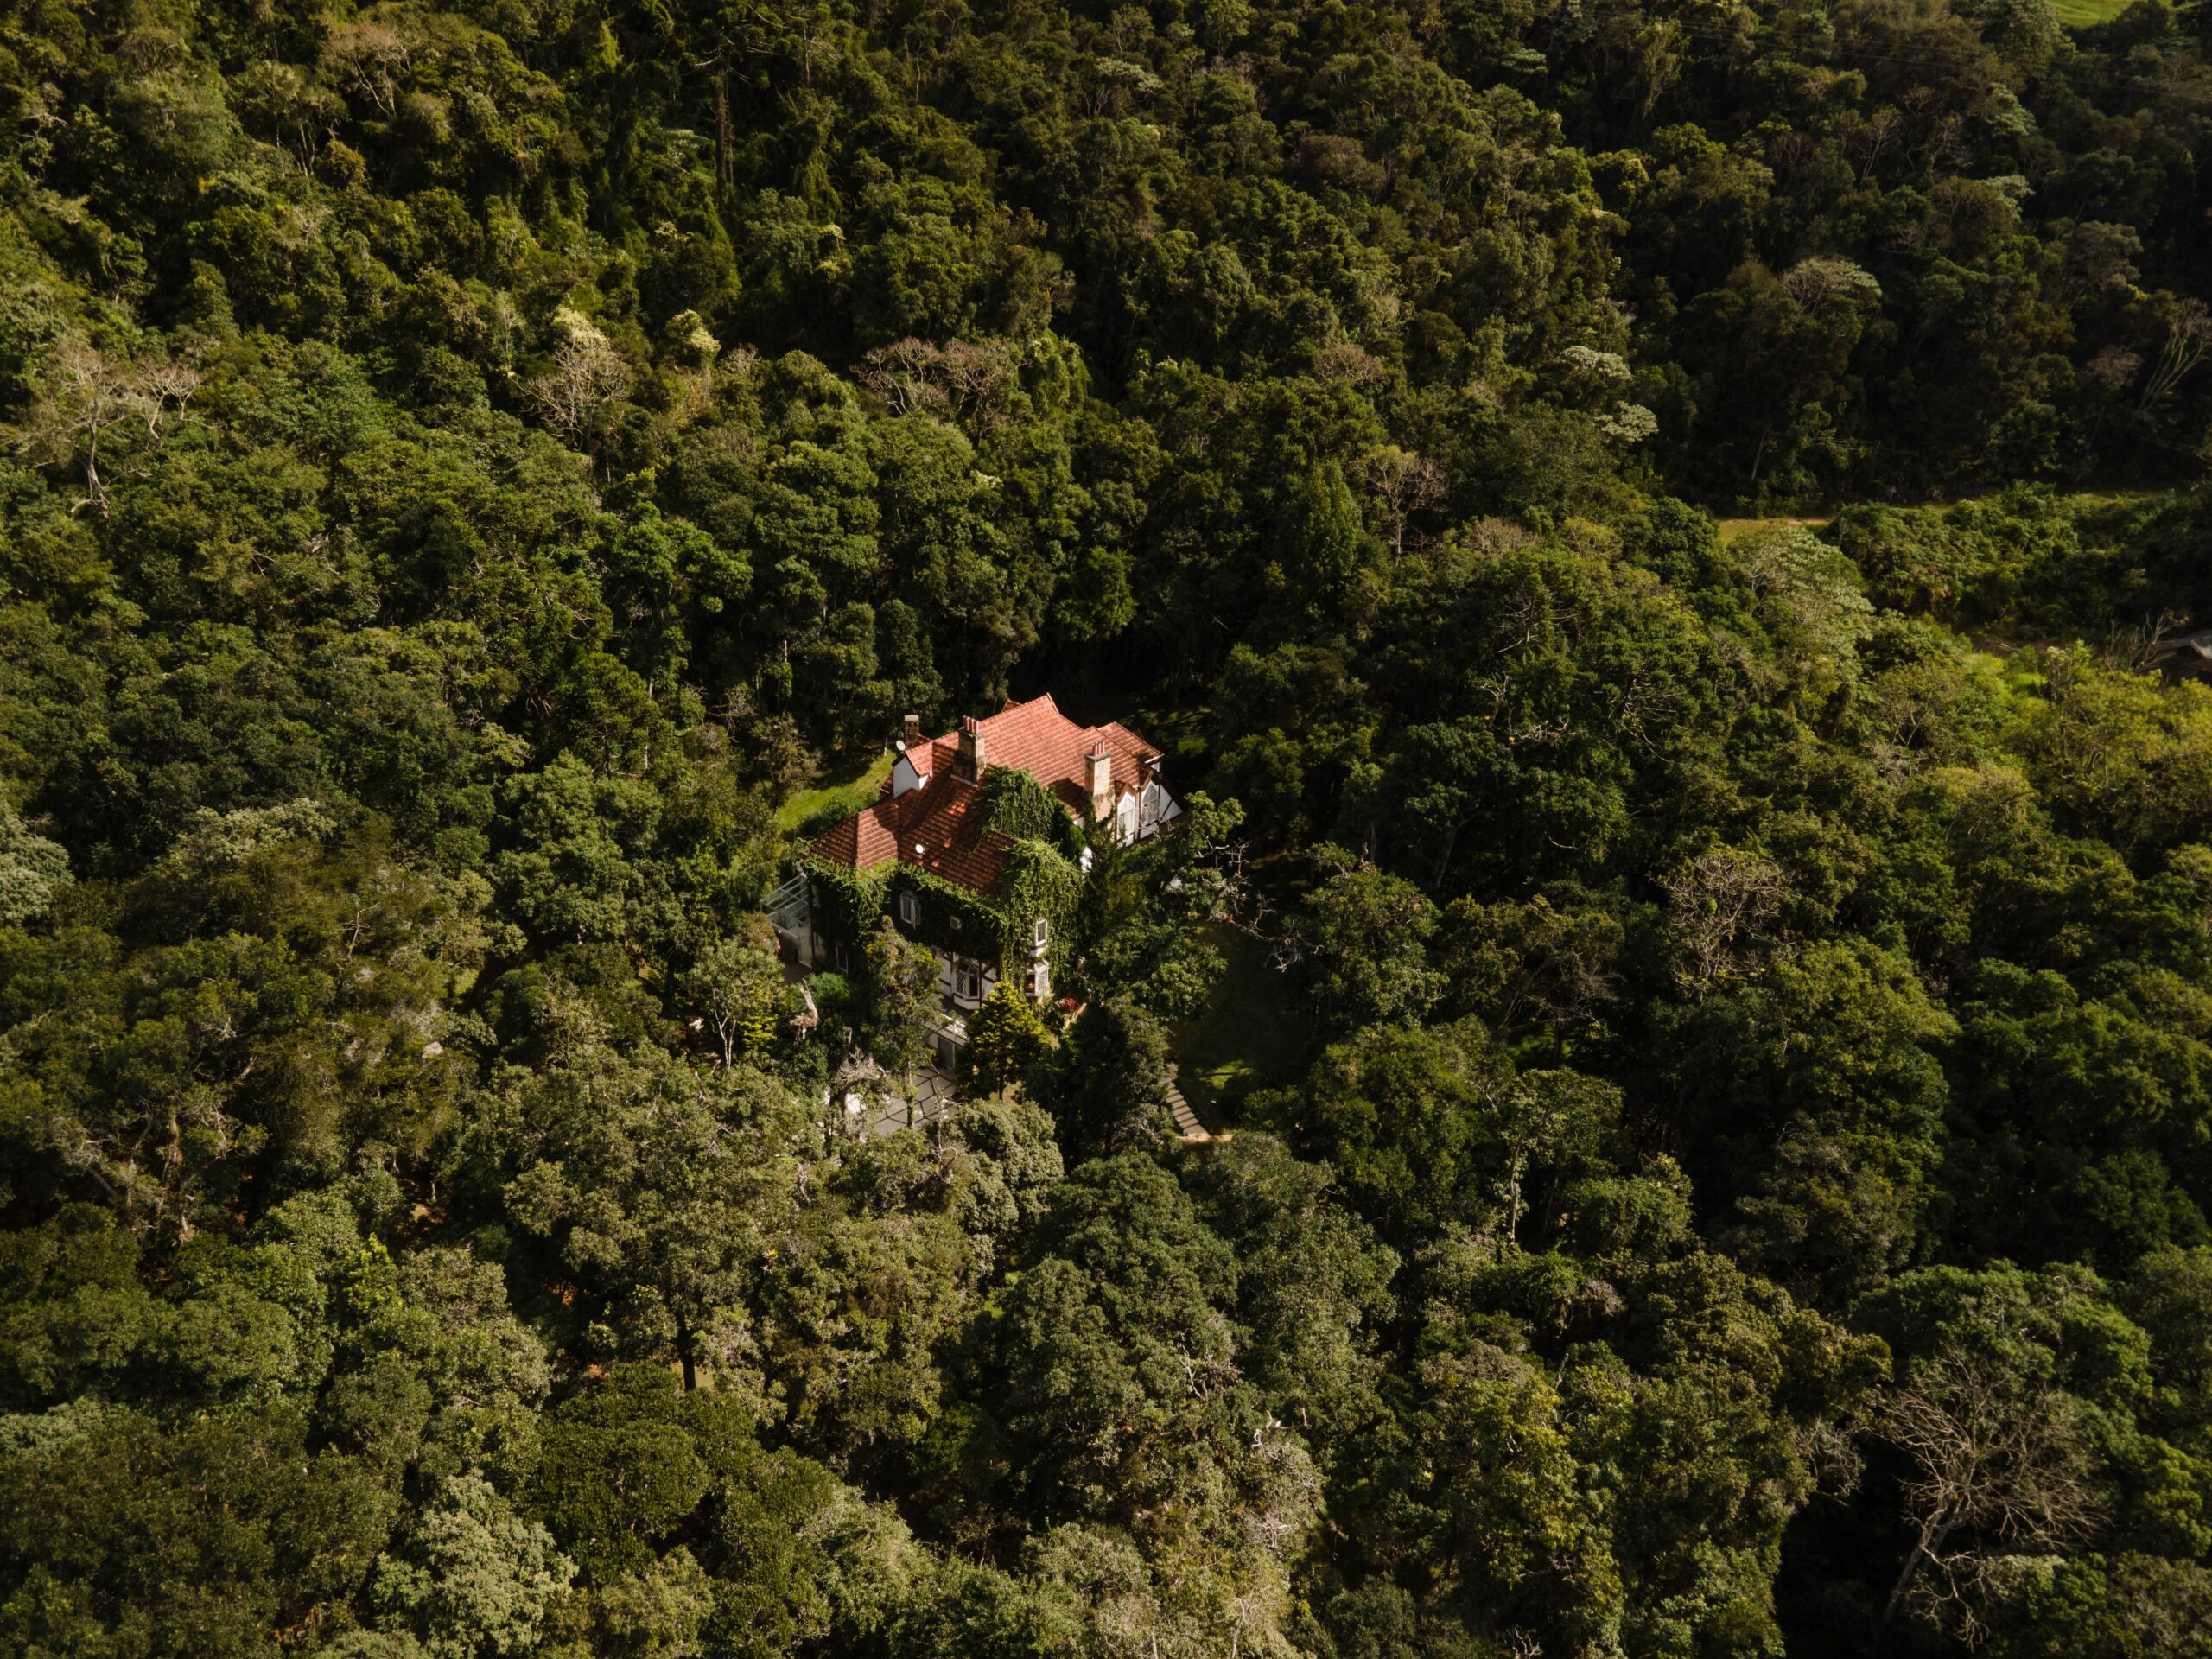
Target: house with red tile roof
[{"x": 929, "y": 851}]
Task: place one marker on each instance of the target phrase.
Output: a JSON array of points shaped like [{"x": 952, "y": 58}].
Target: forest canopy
[{"x": 1652, "y": 535}]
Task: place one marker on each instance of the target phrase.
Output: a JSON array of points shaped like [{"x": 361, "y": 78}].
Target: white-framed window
[
  {"x": 969, "y": 978},
  {"x": 910, "y": 909},
  {"x": 1043, "y": 934}
]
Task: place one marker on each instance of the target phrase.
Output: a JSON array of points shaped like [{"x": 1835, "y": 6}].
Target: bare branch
[
  {"x": 1719, "y": 907},
  {"x": 1997, "y": 1470}
]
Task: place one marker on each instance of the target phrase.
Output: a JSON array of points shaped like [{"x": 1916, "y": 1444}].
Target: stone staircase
[{"x": 1188, "y": 1123}]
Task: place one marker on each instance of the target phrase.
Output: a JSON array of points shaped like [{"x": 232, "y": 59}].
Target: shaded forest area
[{"x": 1733, "y": 1175}]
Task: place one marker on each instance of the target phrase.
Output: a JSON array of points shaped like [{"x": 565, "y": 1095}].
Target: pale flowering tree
[
  {"x": 1599, "y": 378},
  {"x": 2188, "y": 339},
  {"x": 1826, "y": 280},
  {"x": 1407, "y": 483},
  {"x": 370, "y": 58},
  {"x": 968, "y": 378},
  {"x": 88, "y": 399},
  {"x": 588, "y": 377}
]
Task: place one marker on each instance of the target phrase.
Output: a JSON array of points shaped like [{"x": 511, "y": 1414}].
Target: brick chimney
[
  {"x": 972, "y": 758},
  {"x": 912, "y": 735},
  {"x": 1098, "y": 775}
]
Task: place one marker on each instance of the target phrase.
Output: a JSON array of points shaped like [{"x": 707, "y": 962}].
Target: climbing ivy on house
[
  {"x": 850, "y": 902},
  {"x": 952, "y": 916},
  {"x": 1040, "y": 884},
  {"x": 1017, "y": 805}
]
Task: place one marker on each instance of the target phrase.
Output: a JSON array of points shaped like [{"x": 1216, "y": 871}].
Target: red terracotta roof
[
  {"x": 866, "y": 839},
  {"x": 943, "y": 831},
  {"x": 938, "y": 828},
  {"x": 942, "y": 817}
]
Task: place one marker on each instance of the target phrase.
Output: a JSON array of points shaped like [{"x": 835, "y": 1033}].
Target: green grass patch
[
  {"x": 2080, "y": 13},
  {"x": 838, "y": 791},
  {"x": 1735, "y": 530},
  {"x": 1250, "y": 1034}
]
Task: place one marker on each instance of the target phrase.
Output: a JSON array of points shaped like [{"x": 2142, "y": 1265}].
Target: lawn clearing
[
  {"x": 1735, "y": 530},
  {"x": 839, "y": 790},
  {"x": 1250, "y": 1034}
]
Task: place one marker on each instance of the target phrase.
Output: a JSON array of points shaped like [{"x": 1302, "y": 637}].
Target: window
[
  {"x": 910, "y": 909},
  {"x": 969, "y": 978},
  {"x": 844, "y": 959},
  {"x": 1041, "y": 934}
]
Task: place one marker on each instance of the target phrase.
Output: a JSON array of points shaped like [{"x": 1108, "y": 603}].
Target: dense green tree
[
  {"x": 617, "y": 1471},
  {"x": 472, "y": 1578},
  {"x": 650, "y": 1182},
  {"x": 738, "y": 988},
  {"x": 1005, "y": 1037},
  {"x": 1107, "y": 1084},
  {"x": 1828, "y": 1059},
  {"x": 1363, "y": 937},
  {"x": 479, "y": 488},
  {"x": 902, "y": 998}
]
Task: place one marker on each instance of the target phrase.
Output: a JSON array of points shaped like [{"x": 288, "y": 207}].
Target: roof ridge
[{"x": 1010, "y": 707}]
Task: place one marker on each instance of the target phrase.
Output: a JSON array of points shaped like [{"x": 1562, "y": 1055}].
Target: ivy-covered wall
[
  {"x": 1039, "y": 882},
  {"x": 951, "y": 916},
  {"x": 847, "y": 902},
  {"x": 1043, "y": 880}
]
